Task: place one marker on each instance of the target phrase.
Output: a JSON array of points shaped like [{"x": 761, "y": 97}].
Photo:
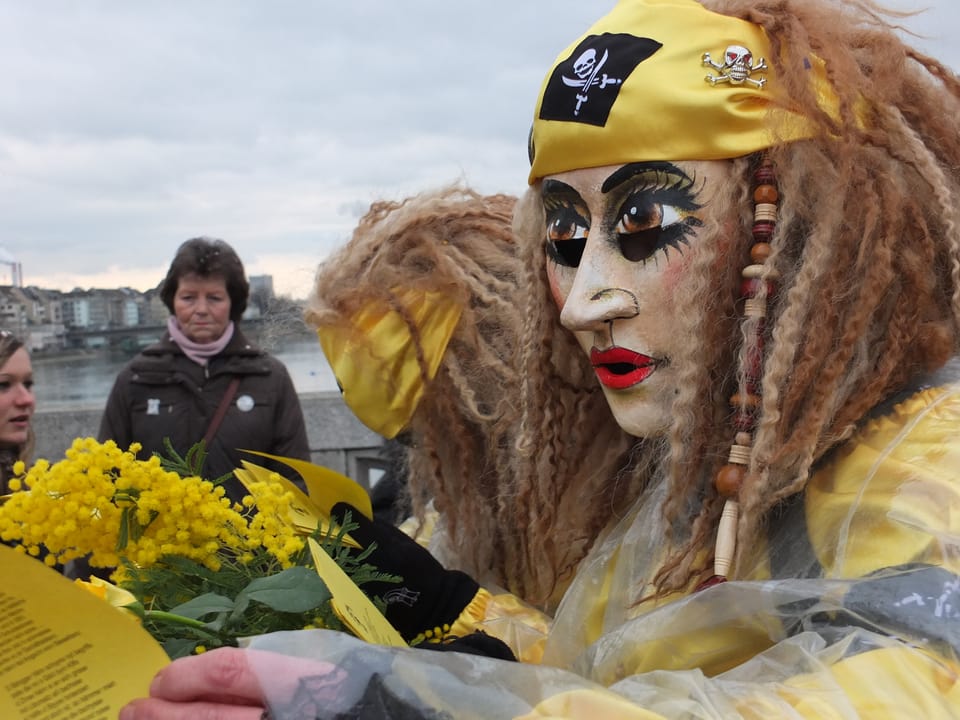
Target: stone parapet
[{"x": 337, "y": 439}]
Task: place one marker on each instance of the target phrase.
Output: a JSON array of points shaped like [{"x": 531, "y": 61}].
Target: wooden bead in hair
[{"x": 757, "y": 285}]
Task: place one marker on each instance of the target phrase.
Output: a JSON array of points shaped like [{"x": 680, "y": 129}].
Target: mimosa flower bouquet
[{"x": 198, "y": 570}]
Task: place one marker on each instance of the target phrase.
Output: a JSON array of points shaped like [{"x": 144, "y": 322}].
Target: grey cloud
[{"x": 127, "y": 127}]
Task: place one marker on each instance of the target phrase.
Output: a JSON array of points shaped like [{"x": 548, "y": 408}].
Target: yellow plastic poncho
[{"x": 851, "y": 610}]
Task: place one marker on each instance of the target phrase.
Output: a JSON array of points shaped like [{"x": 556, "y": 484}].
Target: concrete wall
[{"x": 337, "y": 439}]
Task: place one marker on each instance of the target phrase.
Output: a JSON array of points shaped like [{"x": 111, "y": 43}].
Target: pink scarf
[{"x": 198, "y": 352}]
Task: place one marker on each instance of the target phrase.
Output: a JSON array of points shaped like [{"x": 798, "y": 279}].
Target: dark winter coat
[{"x": 162, "y": 393}]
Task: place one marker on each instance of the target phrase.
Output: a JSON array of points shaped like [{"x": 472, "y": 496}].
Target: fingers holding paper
[{"x": 228, "y": 684}]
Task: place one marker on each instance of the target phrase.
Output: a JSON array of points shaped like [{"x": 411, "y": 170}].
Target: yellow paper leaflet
[
  {"x": 354, "y": 608},
  {"x": 326, "y": 487}
]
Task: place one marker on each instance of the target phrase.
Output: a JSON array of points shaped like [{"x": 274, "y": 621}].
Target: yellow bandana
[
  {"x": 662, "y": 80},
  {"x": 375, "y": 358}
]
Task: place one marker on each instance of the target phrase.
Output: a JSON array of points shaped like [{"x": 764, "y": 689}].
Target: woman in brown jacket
[{"x": 204, "y": 379}]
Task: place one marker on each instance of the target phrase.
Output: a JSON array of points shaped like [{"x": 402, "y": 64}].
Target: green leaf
[
  {"x": 295, "y": 590},
  {"x": 184, "y": 466},
  {"x": 196, "y": 455},
  {"x": 179, "y": 647},
  {"x": 204, "y": 605}
]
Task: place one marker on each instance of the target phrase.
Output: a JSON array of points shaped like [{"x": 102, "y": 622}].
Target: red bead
[
  {"x": 750, "y": 287},
  {"x": 729, "y": 479},
  {"x": 710, "y": 582},
  {"x": 765, "y": 175},
  {"x": 753, "y": 363},
  {"x": 744, "y": 421},
  {"x": 763, "y": 230}
]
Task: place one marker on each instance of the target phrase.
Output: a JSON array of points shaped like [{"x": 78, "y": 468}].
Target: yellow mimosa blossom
[
  {"x": 105, "y": 503},
  {"x": 177, "y": 546}
]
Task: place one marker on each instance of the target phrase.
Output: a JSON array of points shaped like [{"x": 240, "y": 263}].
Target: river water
[{"x": 76, "y": 380}]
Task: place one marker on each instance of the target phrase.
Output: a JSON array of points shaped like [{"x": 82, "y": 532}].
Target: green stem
[
  {"x": 163, "y": 616},
  {"x": 160, "y": 616}
]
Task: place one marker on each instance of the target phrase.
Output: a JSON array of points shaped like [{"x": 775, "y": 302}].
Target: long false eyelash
[
  {"x": 643, "y": 246},
  {"x": 663, "y": 185},
  {"x": 686, "y": 228},
  {"x": 667, "y": 188},
  {"x": 556, "y": 201},
  {"x": 573, "y": 249}
]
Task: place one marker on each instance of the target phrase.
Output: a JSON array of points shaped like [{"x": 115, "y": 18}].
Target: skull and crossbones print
[{"x": 587, "y": 70}]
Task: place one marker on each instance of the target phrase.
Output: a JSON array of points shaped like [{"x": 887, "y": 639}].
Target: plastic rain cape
[{"x": 852, "y": 609}]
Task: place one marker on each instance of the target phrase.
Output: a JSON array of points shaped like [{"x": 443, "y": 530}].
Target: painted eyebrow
[
  {"x": 621, "y": 175},
  {"x": 555, "y": 186}
]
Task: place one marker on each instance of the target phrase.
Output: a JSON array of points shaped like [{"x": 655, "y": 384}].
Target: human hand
[{"x": 225, "y": 684}]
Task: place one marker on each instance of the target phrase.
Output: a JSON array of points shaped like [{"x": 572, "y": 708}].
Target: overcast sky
[{"x": 128, "y": 126}]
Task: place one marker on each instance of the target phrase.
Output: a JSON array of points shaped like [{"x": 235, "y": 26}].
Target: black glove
[
  {"x": 429, "y": 598},
  {"x": 477, "y": 643}
]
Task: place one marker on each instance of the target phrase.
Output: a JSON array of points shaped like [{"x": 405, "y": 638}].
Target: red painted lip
[{"x": 619, "y": 368}]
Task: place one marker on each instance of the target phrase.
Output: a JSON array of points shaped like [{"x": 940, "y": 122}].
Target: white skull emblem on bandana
[
  {"x": 736, "y": 68},
  {"x": 586, "y": 68}
]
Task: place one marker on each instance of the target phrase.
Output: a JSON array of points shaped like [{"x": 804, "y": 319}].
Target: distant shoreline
[
  {"x": 41, "y": 356},
  {"x": 56, "y": 407},
  {"x": 77, "y": 378}
]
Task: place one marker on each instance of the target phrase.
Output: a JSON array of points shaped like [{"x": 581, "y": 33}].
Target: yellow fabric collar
[
  {"x": 374, "y": 357},
  {"x": 662, "y": 80}
]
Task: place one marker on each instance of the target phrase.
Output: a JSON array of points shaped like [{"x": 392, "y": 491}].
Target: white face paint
[{"x": 619, "y": 240}]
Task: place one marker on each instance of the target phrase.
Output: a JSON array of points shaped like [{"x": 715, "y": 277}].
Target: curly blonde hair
[
  {"x": 460, "y": 439},
  {"x": 867, "y": 249}
]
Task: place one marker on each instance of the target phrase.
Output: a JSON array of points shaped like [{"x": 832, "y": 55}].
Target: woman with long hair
[{"x": 17, "y": 404}]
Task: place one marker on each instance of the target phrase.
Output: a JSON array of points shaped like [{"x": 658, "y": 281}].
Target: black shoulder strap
[{"x": 221, "y": 410}]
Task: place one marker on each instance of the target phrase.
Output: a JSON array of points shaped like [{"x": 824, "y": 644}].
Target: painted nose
[
  {"x": 598, "y": 308},
  {"x": 598, "y": 294}
]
